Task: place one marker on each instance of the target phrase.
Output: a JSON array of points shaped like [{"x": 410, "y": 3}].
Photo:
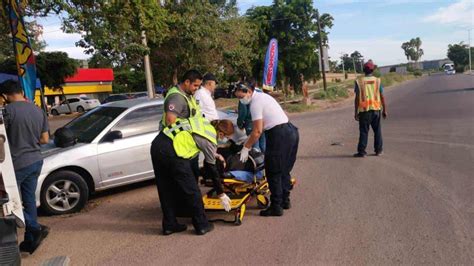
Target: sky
[{"x": 375, "y": 28}]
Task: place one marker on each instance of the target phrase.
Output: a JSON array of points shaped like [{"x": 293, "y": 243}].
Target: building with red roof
[{"x": 90, "y": 82}]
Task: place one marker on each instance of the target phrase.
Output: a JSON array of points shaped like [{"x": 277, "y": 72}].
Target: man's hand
[
  {"x": 221, "y": 158},
  {"x": 356, "y": 117},
  {"x": 384, "y": 114}
]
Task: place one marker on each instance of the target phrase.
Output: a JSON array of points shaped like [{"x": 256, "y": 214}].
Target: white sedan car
[
  {"x": 113, "y": 149},
  {"x": 80, "y": 105}
]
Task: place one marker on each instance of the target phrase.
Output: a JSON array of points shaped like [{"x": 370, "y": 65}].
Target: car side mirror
[{"x": 112, "y": 135}]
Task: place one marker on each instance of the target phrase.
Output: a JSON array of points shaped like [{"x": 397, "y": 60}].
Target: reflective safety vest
[
  {"x": 369, "y": 94},
  {"x": 181, "y": 132},
  {"x": 194, "y": 109}
]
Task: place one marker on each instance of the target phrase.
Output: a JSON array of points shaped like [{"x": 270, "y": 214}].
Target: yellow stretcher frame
[{"x": 240, "y": 194}]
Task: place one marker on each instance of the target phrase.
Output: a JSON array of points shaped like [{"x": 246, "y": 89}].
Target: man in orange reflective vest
[{"x": 369, "y": 108}]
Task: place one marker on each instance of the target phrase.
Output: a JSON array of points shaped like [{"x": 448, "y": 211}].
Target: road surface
[{"x": 414, "y": 205}]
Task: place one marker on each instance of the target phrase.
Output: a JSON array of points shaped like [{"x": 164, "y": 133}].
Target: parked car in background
[
  {"x": 112, "y": 149},
  {"x": 116, "y": 97},
  {"x": 449, "y": 69},
  {"x": 80, "y": 105},
  {"x": 220, "y": 93}
]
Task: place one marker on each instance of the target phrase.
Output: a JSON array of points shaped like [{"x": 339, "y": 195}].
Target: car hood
[{"x": 50, "y": 149}]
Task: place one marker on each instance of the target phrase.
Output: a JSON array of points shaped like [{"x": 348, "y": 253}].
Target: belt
[{"x": 280, "y": 126}]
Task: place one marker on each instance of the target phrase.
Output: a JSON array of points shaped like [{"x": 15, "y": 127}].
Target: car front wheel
[
  {"x": 54, "y": 112},
  {"x": 64, "y": 192}
]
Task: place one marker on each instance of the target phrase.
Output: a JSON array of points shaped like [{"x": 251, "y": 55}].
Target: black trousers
[
  {"x": 280, "y": 157},
  {"x": 176, "y": 182},
  {"x": 367, "y": 120}
]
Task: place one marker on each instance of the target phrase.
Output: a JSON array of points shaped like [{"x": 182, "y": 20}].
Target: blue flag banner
[
  {"x": 25, "y": 59},
  {"x": 270, "y": 67}
]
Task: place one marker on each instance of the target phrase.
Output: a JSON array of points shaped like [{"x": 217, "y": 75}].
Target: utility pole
[
  {"x": 469, "y": 50},
  {"x": 354, "y": 64},
  {"x": 343, "y": 69},
  {"x": 148, "y": 76},
  {"x": 321, "y": 55}
]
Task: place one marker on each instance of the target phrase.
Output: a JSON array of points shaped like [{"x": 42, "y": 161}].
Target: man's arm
[
  {"x": 382, "y": 99},
  {"x": 174, "y": 105},
  {"x": 356, "y": 102},
  {"x": 170, "y": 118},
  {"x": 384, "y": 106},
  {"x": 44, "y": 138},
  {"x": 256, "y": 133}
]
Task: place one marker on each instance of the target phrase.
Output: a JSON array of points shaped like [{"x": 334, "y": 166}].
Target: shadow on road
[
  {"x": 451, "y": 91},
  {"x": 336, "y": 156}
]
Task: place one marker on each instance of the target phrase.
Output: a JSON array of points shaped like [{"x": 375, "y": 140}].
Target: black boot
[
  {"x": 272, "y": 211},
  {"x": 286, "y": 205},
  {"x": 178, "y": 228},
  {"x": 38, "y": 237},
  {"x": 205, "y": 230}
]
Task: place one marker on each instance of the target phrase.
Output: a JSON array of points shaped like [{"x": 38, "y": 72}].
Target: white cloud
[
  {"x": 460, "y": 13},
  {"x": 72, "y": 51}
]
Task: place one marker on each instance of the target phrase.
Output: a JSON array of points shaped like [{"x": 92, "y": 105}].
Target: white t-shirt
[
  {"x": 265, "y": 107},
  {"x": 207, "y": 104}
]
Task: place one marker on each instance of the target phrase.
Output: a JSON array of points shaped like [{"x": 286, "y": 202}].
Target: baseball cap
[
  {"x": 369, "y": 65},
  {"x": 209, "y": 76}
]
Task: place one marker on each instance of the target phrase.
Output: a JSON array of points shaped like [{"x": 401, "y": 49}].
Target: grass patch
[
  {"x": 226, "y": 102},
  {"x": 332, "y": 93},
  {"x": 297, "y": 107},
  {"x": 390, "y": 79}
]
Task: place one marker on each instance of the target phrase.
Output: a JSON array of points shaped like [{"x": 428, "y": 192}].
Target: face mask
[
  {"x": 245, "y": 101},
  {"x": 224, "y": 140}
]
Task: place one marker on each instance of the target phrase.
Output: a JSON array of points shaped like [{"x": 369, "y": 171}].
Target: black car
[{"x": 220, "y": 93}]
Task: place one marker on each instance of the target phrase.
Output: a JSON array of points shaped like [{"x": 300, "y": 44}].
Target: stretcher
[{"x": 240, "y": 193}]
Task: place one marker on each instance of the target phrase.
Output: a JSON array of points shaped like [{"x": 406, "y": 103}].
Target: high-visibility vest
[
  {"x": 369, "y": 94},
  {"x": 194, "y": 109},
  {"x": 181, "y": 132}
]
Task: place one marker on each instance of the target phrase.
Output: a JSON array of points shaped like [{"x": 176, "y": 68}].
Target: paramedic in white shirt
[
  {"x": 204, "y": 97},
  {"x": 282, "y": 140}
]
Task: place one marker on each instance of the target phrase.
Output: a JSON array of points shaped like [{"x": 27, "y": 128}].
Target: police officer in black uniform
[{"x": 173, "y": 173}]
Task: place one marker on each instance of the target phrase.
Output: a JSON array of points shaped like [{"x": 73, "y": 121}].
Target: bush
[
  {"x": 377, "y": 73},
  {"x": 417, "y": 73},
  {"x": 332, "y": 93},
  {"x": 459, "y": 69}
]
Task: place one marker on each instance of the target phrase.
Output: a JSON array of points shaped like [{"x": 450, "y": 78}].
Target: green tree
[
  {"x": 458, "y": 53},
  {"x": 358, "y": 60},
  {"x": 53, "y": 68},
  {"x": 293, "y": 24},
  {"x": 412, "y": 49},
  {"x": 113, "y": 28},
  {"x": 206, "y": 35},
  {"x": 33, "y": 29}
]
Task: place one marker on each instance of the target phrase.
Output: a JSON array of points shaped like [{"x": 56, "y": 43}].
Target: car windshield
[{"x": 87, "y": 126}]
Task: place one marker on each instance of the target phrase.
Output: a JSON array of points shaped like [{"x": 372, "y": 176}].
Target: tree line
[{"x": 211, "y": 36}]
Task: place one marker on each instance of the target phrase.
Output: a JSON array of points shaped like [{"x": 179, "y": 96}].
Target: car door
[
  {"x": 74, "y": 103},
  {"x": 62, "y": 108},
  {"x": 128, "y": 159}
]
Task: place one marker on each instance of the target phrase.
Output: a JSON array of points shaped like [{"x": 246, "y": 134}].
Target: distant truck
[{"x": 449, "y": 69}]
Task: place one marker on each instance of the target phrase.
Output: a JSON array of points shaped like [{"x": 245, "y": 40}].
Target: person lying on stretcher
[{"x": 227, "y": 158}]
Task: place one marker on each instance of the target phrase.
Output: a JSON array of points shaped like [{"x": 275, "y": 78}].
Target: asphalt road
[{"x": 414, "y": 205}]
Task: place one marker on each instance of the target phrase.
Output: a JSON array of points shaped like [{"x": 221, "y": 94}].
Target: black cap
[{"x": 209, "y": 76}]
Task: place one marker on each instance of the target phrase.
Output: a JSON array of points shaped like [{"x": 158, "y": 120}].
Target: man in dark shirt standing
[{"x": 27, "y": 128}]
